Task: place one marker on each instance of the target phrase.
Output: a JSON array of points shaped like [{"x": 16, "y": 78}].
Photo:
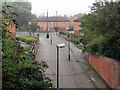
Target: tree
[
  {"x": 23, "y": 10},
  {"x": 33, "y": 27},
  {"x": 101, "y": 29}
]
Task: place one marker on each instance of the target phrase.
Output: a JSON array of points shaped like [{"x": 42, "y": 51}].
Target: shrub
[
  {"x": 28, "y": 40},
  {"x": 62, "y": 33},
  {"x": 75, "y": 39},
  {"x": 26, "y": 48},
  {"x": 20, "y": 70},
  {"x": 78, "y": 46}
]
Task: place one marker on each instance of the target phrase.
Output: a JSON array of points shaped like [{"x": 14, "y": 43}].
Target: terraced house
[
  {"x": 75, "y": 22},
  {"x": 61, "y": 22}
]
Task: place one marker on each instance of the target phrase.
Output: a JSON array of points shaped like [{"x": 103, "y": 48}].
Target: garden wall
[{"x": 108, "y": 68}]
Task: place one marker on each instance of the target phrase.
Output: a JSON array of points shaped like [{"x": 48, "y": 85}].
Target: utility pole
[
  {"x": 69, "y": 47},
  {"x": 56, "y": 23},
  {"x": 69, "y": 41},
  {"x": 51, "y": 32},
  {"x": 47, "y": 36},
  {"x": 58, "y": 46},
  {"x": 57, "y": 67}
]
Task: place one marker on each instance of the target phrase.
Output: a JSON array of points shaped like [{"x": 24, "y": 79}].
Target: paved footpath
[{"x": 75, "y": 73}]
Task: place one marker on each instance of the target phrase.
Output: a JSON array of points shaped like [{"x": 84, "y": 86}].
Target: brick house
[
  {"x": 78, "y": 29},
  {"x": 75, "y": 22},
  {"x": 61, "y": 22}
]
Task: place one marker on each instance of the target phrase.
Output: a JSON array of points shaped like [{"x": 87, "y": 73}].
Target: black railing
[{"x": 33, "y": 47}]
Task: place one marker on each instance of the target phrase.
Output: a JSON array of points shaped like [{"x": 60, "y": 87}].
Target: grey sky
[{"x": 68, "y": 7}]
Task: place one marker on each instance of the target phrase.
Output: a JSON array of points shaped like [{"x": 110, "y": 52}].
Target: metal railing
[{"x": 35, "y": 46}]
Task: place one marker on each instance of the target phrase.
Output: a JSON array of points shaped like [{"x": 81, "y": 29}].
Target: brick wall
[
  {"x": 77, "y": 32},
  {"x": 108, "y": 68},
  {"x": 75, "y": 25},
  {"x": 61, "y": 25},
  {"x": 72, "y": 20}
]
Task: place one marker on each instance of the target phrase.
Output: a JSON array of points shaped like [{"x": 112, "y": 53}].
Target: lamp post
[
  {"x": 69, "y": 47},
  {"x": 47, "y": 35},
  {"x": 56, "y": 28},
  {"x": 68, "y": 29},
  {"x": 51, "y": 32},
  {"x": 58, "y": 46}
]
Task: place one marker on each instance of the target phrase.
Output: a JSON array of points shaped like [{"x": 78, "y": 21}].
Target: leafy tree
[
  {"x": 102, "y": 29},
  {"x": 33, "y": 27},
  {"x": 23, "y": 10}
]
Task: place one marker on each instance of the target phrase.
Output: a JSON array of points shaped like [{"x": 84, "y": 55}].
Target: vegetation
[
  {"x": 27, "y": 39},
  {"x": 75, "y": 39},
  {"x": 62, "y": 33},
  {"x": 33, "y": 27},
  {"x": 22, "y": 12},
  {"x": 79, "y": 46},
  {"x": 102, "y": 29},
  {"x": 19, "y": 69},
  {"x": 26, "y": 49}
]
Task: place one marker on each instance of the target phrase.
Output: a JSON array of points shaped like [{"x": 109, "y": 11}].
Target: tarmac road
[{"x": 76, "y": 73}]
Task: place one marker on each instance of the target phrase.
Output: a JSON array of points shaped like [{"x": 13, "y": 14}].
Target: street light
[
  {"x": 69, "y": 47},
  {"x": 56, "y": 27},
  {"x": 51, "y": 32},
  {"x": 47, "y": 35},
  {"x": 58, "y": 46},
  {"x": 68, "y": 29}
]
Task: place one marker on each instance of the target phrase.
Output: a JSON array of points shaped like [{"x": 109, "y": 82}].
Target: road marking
[{"x": 92, "y": 79}]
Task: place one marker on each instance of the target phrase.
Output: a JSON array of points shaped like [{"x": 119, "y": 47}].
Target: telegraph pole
[
  {"x": 69, "y": 47},
  {"x": 56, "y": 23},
  {"x": 51, "y": 32},
  {"x": 47, "y": 36}
]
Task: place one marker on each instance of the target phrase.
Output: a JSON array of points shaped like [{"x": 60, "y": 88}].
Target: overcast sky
[{"x": 68, "y": 7}]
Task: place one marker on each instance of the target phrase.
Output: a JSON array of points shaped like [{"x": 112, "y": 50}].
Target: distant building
[
  {"x": 78, "y": 30},
  {"x": 75, "y": 22},
  {"x": 61, "y": 22}
]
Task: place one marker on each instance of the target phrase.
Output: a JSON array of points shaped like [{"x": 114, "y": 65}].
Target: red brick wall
[
  {"x": 108, "y": 68},
  {"x": 61, "y": 25},
  {"x": 75, "y": 25},
  {"x": 77, "y": 32}
]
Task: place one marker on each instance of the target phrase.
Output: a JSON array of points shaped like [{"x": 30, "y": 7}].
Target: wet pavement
[{"x": 76, "y": 73}]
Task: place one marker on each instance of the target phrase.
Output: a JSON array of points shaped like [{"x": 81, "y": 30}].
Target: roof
[
  {"x": 79, "y": 15},
  {"x": 77, "y": 20},
  {"x": 50, "y": 19}
]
